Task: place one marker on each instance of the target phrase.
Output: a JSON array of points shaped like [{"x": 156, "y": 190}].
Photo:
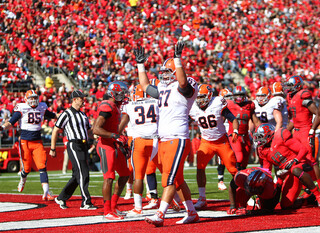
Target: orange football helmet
[
  {"x": 167, "y": 71},
  {"x": 225, "y": 93},
  {"x": 154, "y": 82},
  {"x": 204, "y": 95},
  {"x": 32, "y": 98},
  {"x": 138, "y": 93},
  {"x": 263, "y": 95},
  {"x": 277, "y": 88}
]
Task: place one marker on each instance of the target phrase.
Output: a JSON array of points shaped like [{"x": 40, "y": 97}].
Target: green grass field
[{"x": 9, "y": 182}]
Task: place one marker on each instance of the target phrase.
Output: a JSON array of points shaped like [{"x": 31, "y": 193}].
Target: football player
[
  {"x": 209, "y": 112},
  {"x": 176, "y": 94},
  {"x": 112, "y": 160},
  {"x": 283, "y": 150},
  {"x": 244, "y": 110},
  {"x": 301, "y": 111},
  {"x": 279, "y": 98},
  {"x": 30, "y": 115},
  {"x": 256, "y": 181},
  {"x": 141, "y": 115},
  {"x": 268, "y": 110}
]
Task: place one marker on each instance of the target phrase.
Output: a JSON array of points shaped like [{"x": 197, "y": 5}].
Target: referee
[{"x": 76, "y": 125}]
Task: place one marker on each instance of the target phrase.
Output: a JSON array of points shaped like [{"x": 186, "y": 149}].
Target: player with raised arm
[
  {"x": 268, "y": 109},
  {"x": 176, "y": 94},
  {"x": 112, "y": 158},
  {"x": 243, "y": 109},
  {"x": 210, "y": 112},
  {"x": 30, "y": 115}
]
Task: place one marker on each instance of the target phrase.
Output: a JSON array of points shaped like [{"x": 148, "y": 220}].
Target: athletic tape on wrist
[
  {"x": 141, "y": 68},
  {"x": 177, "y": 62},
  {"x": 311, "y": 131}
]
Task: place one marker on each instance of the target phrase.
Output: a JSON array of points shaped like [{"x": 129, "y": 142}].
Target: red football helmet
[
  {"x": 225, "y": 93},
  {"x": 263, "y": 95},
  {"x": 31, "y": 98},
  {"x": 254, "y": 184},
  {"x": 239, "y": 94},
  {"x": 118, "y": 91},
  {"x": 138, "y": 93},
  {"x": 277, "y": 88},
  {"x": 167, "y": 71},
  {"x": 204, "y": 95},
  {"x": 293, "y": 84},
  {"x": 263, "y": 134}
]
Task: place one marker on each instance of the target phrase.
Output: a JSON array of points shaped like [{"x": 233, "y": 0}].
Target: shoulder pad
[
  {"x": 285, "y": 134},
  {"x": 106, "y": 106},
  {"x": 305, "y": 95}
]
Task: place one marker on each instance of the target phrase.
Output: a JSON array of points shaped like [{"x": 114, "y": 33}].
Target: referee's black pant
[{"x": 78, "y": 155}]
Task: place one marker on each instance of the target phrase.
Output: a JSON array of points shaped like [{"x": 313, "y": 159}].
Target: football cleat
[
  {"x": 128, "y": 195},
  {"x": 222, "y": 186},
  {"x": 305, "y": 195},
  {"x": 120, "y": 213},
  {"x": 192, "y": 217},
  {"x": 153, "y": 204},
  {"x": 175, "y": 205},
  {"x": 61, "y": 203},
  {"x": 134, "y": 212},
  {"x": 156, "y": 219},
  {"x": 88, "y": 207},
  {"x": 148, "y": 196},
  {"x": 232, "y": 211},
  {"x": 113, "y": 216},
  {"x": 47, "y": 197},
  {"x": 202, "y": 202},
  {"x": 21, "y": 184},
  {"x": 241, "y": 211}
]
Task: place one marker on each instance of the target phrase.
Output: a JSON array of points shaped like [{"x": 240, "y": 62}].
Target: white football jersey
[
  {"x": 31, "y": 118},
  {"x": 174, "y": 110},
  {"x": 282, "y": 107},
  {"x": 144, "y": 115},
  {"x": 265, "y": 112},
  {"x": 210, "y": 120}
]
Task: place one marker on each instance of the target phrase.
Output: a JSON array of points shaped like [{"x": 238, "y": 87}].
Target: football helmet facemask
[
  {"x": 167, "y": 72},
  {"x": 31, "y": 98},
  {"x": 263, "y": 134},
  {"x": 239, "y": 94},
  {"x": 263, "y": 95},
  {"x": 204, "y": 95}
]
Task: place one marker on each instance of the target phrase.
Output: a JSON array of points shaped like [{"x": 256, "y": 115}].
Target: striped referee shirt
[{"x": 75, "y": 124}]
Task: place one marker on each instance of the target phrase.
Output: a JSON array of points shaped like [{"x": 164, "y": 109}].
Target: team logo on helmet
[
  {"x": 263, "y": 134},
  {"x": 118, "y": 91},
  {"x": 293, "y": 84}
]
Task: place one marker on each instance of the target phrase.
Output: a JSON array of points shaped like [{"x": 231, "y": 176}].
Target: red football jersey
[
  {"x": 243, "y": 114},
  {"x": 285, "y": 148},
  {"x": 301, "y": 116},
  {"x": 111, "y": 124}
]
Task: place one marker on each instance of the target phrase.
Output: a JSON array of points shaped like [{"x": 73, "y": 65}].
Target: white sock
[
  {"x": 129, "y": 186},
  {"x": 137, "y": 201},
  {"x": 188, "y": 204},
  {"x": 45, "y": 187},
  {"x": 163, "y": 207},
  {"x": 202, "y": 192}
]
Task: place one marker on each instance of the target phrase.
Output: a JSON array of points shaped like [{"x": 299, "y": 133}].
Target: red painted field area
[{"x": 48, "y": 217}]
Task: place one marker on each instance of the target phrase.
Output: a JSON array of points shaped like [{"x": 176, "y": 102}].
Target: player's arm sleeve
[
  {"x": 306, "y": 98},
  {"x": 152, "y": 91},
  {"x": 15, "y": 117},
  {"x": 228, "y": 115},
  {"x": 62, "y": 120},
  {"x": 49, "y": 114},
  {"x": 296, "y": 146},
  {"x": 105, "y": 114},
  {"x": 186, "y": 91}
]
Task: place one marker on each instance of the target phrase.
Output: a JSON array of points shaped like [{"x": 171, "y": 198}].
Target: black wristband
[
  {"x": 53, "y": 149},
  {"x": 114, "y": 136}
]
